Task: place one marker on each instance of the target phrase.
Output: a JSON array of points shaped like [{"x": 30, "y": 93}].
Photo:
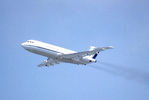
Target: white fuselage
[{"x": 52, "y": 51}]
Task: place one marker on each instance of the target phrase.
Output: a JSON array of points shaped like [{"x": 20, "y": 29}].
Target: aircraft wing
[
  {"x": 85, "y": 53},
  {"x": 49, "y": 62}
]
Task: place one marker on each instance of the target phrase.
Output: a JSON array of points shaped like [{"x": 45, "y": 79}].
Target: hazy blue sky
[{"x": 120, "y": 74}]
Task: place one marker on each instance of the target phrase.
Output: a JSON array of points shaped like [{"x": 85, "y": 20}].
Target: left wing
[
  {"x": 85, "y": 53},
  {"x": 49, "y": 62}
]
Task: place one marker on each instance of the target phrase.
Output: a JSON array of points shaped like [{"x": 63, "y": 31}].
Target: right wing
[
  {"x": 49, "y": 62},
  {"x": 85, "y": 53}
]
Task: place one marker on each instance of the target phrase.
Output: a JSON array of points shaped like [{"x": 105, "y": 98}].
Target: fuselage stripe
[{"x": 42, "y": 48}]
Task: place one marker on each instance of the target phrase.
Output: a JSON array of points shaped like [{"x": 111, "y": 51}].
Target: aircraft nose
[{"x": 23, "y": 44}]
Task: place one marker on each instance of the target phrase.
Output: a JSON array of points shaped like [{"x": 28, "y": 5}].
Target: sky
[{"x": 120, "y": 74}]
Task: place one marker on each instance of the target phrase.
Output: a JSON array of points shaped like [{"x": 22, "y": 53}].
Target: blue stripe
[{"x": 95, "y": 56}]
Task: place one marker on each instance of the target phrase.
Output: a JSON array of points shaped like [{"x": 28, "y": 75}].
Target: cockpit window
[{"x": 30, "y": 41}]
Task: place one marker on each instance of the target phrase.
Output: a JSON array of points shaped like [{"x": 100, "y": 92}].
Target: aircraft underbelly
[
  {"x": 54, "y": 55},
  {"x": 74, "y": 61}
]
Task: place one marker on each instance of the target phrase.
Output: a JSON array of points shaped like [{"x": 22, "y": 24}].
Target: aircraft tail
[{"x": 95, "y": 55}]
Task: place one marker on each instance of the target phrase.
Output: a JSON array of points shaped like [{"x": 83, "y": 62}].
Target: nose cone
[{"x": 23, "y": 45}]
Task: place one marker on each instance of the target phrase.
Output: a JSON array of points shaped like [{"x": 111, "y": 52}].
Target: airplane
[{"x": 57, "y": 55}]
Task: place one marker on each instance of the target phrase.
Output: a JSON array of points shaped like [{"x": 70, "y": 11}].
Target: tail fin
[{"x": 95, "y": 55}]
